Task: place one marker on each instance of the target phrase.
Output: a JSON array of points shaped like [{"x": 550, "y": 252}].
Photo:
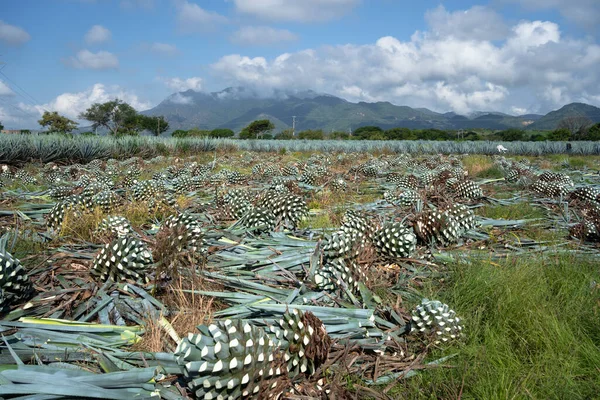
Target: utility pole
[{"x": 293, "y": 125}]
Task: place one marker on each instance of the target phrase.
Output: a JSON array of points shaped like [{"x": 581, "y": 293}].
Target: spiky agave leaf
[
  {"x": 124, "y": 258},
  {"x": 435, "y": 319}
]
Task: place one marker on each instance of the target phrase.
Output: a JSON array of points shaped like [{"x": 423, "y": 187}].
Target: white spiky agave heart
[
  {"x": 303, "y": 339},
  {"x": 116, "y": 225},
  {"x": 340, "y": 274},
  {"x": 436, "y": 319},
  {"x": 106, "y": 200},
  {"x": 258, "y": 220},
  {"x": 436, "y": 226},
  {"x": 465, "y": 188},
  {"x": 339, "y": 184},
  {"x": 60, "y": 192},
  {"x": 340, "y": 245},
  {"x": 14, "y": 281},
  {"x": 464, "y": 216},
  {"x": 189, "y": 233},
  {"x": 232, "y": 359},
  {"x": 394, "y": 240},
  {"x": 586, "y": 193},
  {"x": 357, "y": 225},
  {"x": 124, "y": 258},
  {"x": 286, "y": 207}
]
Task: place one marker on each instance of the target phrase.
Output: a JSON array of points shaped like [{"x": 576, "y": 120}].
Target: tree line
[{"x": 120, "y": 118}]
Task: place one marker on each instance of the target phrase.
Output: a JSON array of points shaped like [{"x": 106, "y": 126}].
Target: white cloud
[
  {"x": 193, "y": 18},
  {"x": 261, "y": 36},
  {"x": 293, "y": 10},
  {"x": 72, "y": 104},
  {"x": 5, "y": 90},
  {"x": 164, "y": 49},
  {"x": 178, "y": 98},
  {"x": 458, "y": 70},
  {"x": 477, "y": 22},
  {"x": 13, "y": 35},
  {"x": 85, "y": 59},
  {"x": 97, "y": 34},
  {"x": 582, "y": 12},
  {"x": 181, "y": 85}
]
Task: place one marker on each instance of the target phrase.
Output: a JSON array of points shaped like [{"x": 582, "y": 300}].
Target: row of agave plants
[
  {"x": 290, "y": 295},
  {"x": 20, "y": 149}
]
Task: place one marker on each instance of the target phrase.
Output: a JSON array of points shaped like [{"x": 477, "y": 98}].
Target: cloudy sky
[{"x": 515, "y": 56}]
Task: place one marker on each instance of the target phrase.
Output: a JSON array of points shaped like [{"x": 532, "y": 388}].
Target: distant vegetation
[{"x": 121, "y": 119}]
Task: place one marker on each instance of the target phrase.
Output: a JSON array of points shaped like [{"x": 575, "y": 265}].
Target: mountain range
[{"x": 236, "y": 107}]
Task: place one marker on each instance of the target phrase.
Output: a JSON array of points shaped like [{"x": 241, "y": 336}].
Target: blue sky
[{"x": 503, "y": 55}]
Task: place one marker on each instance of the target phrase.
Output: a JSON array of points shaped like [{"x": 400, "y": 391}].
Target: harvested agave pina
[{"x": 435, "y": 319}]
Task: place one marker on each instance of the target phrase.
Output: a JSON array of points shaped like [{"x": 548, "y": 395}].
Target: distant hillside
[
  {"x": 236, "y": 107},
  {"x": 551, "y": 120}
]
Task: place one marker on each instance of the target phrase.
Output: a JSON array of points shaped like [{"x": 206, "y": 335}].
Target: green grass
[
  {"x": 532, "y": 327},
  {"x": 521, "y": 210},
  {"x": 317, "y": 221}
]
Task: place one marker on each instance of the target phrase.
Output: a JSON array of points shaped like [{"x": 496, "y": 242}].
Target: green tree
[
  {"x": 197, "y": 132},
  {"x": 257, "y": 129},
  {"x": 155, "y": 124},
  {"x": 115, "y": 115},
  {"x": 593, "y": 132},
  {"x": 179, "y": 133},
  {"x": 285, "y": 135},
  {"x": 511, "y": 135},
  {"x": 560, "y": 134},
  {"x": 339, "y": 135},
  {"x": 25, "y": 132},
  {"x": 400, "y": 134},
  {"x": 222, "y": 133},
  {"x": 1, "y": 126},
  {"x": 56, "y": 122},
  {"x": 365, "y": 132},
  {"x": 311, "y": 134}
]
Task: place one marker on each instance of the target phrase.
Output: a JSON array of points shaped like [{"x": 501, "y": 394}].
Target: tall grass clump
[{"x": 533, "y": 331}]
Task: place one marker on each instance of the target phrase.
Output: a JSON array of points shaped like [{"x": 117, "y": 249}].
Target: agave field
[{"x": 262, "y": 270}]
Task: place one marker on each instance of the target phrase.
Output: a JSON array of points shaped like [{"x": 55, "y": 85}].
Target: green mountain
[
  {"x": 236, "y": 107},
  {"x": 551, "y": 120}
]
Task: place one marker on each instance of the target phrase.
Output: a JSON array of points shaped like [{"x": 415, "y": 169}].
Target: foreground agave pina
[
  {"x": 394, "y": 240},
  {"x": 124, "y": 258},
  {"x": 436, "y": 319},
  {"x": 232, "y": 359},
  {"x": 14, "y": 282}
]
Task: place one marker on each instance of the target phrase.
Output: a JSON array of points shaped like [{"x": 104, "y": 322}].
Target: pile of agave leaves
[{"x": 78, "y": 333}]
